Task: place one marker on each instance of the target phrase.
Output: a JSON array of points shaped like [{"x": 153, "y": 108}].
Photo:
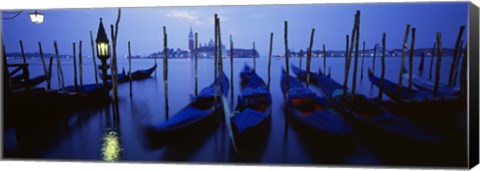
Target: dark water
[{"x": 85, "y": 131}]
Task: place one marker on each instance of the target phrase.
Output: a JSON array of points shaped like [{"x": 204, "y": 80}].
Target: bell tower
[{"x": 190, "y": 40}]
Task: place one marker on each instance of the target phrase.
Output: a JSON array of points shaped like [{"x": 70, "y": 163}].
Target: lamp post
[
  {"x": 103, "y": 52},
  {"x": 36, "y": 17}
]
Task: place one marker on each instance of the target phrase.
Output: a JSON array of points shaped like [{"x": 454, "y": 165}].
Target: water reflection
[{"x": 111, "y": 147}]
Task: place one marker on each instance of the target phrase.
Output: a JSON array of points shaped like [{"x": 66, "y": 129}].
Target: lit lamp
[
  {"x": 102, "y": 51},
  {"x": 36, "y": 17}
]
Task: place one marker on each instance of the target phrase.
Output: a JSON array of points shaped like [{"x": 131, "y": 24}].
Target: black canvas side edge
[{"x": 473, "y": 54}]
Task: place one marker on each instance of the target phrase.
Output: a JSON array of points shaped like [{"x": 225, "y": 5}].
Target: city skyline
[{"x": 246, "y": 24}]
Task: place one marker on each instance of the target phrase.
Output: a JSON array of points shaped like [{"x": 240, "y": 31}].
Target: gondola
[
  {"x": 368, "y": 113},
  {"x": 136, "y": 75},
  {"x": 198, "y": 115},
  {"x": 426, "y": 85},
  {"x": 252, "y": 118},
  {"x": 18, "y": 83},
  {"x": 391, "y": 90},
  {"x": 311, "y": 111}
]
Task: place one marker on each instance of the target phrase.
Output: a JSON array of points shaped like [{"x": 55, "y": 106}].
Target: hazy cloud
[{"x": 182, "y": 14}]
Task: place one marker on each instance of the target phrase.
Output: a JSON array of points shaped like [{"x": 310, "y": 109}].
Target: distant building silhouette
[{"x": 191, "y": 40}]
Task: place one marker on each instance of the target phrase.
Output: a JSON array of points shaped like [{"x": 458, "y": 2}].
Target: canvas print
[{"x": 367, "y": 84}]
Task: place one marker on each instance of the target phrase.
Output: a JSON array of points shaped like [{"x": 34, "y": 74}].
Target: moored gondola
[
  {"x": 405, "y": 95},
  {"x": 252, "y": 117},
  {"x": 312, "y": 111},
  {"x": 136, "y": 75},
  {"x": 426, "y": 85},
  {"x": 198, "y": 115},
  {"x": 364, "y": 110}
]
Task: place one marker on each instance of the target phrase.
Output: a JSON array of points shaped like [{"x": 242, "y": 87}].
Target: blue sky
[{"x": 143, "y": 26}]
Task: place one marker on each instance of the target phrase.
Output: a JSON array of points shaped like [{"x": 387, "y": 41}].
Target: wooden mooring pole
[
  {"x": 349, "y": 58},
  {"x": 457, "y": 63},
  {"x": 410, "y": 60},
  {"x": 44, "y": 65},
  {"x": 231, "y": 70},
  {"x": 287, "y": 64},
  {"x": 165, "y": 70},
  {"x": 59, "y": 67},
  {"x": 220, "y": 56},
  {"x": 94, "y": 61},
  {"x": 130, "y": 68},
  {"x": 215, "y": 62},
  {"x": 380, "y": 92},
  {"x": 363, "y": 59},
  {"x": 80, "y": 62},
  {"x": 324, "y": 59},
  {"x": 455, "y": 52},
  {"x": 402, "y": 65},
  {"x": 430, "y": 76},
  {"x": 420, "y": 67},
  {"x": 439, "y": 64},
  {"x": 374, "y": 57},
  {"x": 254, "y": 56},
  {"x": 196, "y": 64},
  {"x": 75, "y": 68},
  {"x": 309, "y": 56},
  {"x": 357, "y": 39},
  {"x": 26, "y": 73},
  {"x": 49, "y": 76},
  {"x": 270, "y": 60},
  {"x": 347, "y": 67}
]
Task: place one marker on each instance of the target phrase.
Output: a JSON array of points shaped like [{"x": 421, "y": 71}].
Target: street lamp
[
  {"x": 36, "y": 17},
  {"x": 103, "y": 52}
]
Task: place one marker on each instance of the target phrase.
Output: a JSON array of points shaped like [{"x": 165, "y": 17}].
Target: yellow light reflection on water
[{"x": 111, "y": 147}]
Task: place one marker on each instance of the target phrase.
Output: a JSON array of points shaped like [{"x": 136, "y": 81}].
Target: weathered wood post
[
  {"x": 349, "y": 58},
  {"x": 463, "y": 74},
  {"x": 80, "y": 62},
  {"x": 165, "y": 70},
  {"x": 130, "y": 68},
  {"x": 357, "y": 39},
  {"x": 44, "y": 65},
  {"x": 75, "y": 68},
  {"x": 196, "y": 64},
  {"x": 6, "y": 75},
  {"x": 402, "y": 65},
  {"x": 49, "y": 76},
  {"x": 23, "y": 53},
  {"x": 231, "y": 69},
  {"x": 215, "y": 62},
  {"x": 26, "y": 73},
  {"x": 347, "y": 68},
  {"x": 270, "y": 59},
  {"x": 363, "y": 59},
  {"x": 324, "y": 59},
  {"x": 410, "y": 60},
  {"x": 300, "y": 60},
  {"x": 380, "y": 92},
  {"x": 94, "y": 61},
  {"x": 309, "y": 56},
  {"x": 59, "y": 67},
  {"x": 431, "y": 61},
  {"x": 374, "y": 57},
  {"x": 287, "y": 64},
  {"x": 455, "y": 52},
  {"x": 220, "y": 56},
  {"x": 420, "y": 67},
  {"x": 457, "y": 63},
  {"x": 254, "y": 56},
  {"x": 439, "y": 64}
]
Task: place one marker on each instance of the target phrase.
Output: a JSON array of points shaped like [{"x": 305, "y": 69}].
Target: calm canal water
[{"x": 87, "y": 128}]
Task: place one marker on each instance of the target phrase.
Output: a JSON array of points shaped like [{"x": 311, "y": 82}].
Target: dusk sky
[{"x": 143, "y": 26}]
